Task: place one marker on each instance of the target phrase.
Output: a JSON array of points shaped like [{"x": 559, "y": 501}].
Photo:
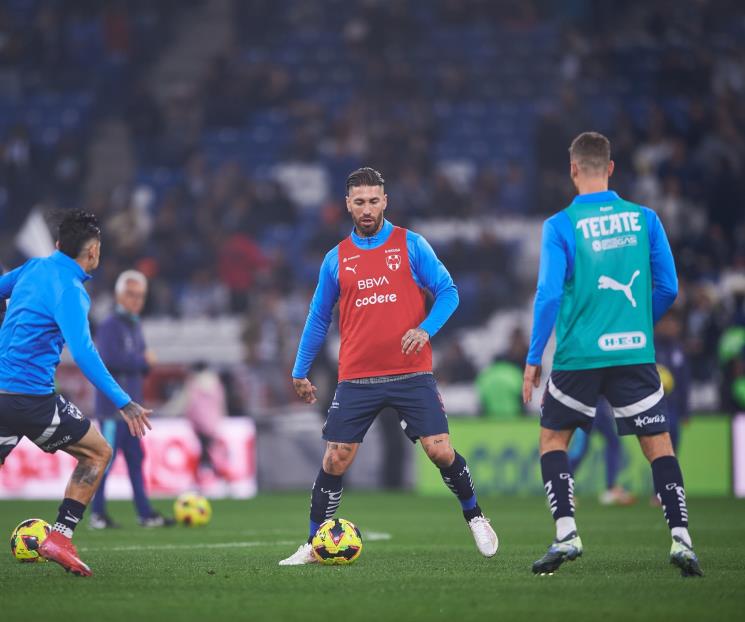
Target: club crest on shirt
[{"x": 393, "y": 262}]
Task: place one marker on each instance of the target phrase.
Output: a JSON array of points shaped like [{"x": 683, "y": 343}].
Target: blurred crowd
[{"x": 466, "y": 106}]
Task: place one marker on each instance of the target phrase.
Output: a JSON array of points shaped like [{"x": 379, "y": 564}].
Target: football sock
[
  {"x": 70, "y": 514},
  {"x": 559, "y": 485},
  {"x": 457, "y": 477},
  {"x": 324, "y": 500},
  {"x": 668, "y": 482}
]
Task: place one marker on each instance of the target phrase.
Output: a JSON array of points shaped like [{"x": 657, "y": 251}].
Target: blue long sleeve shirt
[
  {"x": 427, "y": 270},
  {"x": 558, "y": 248},
  {"x": 48, "y": 307}
]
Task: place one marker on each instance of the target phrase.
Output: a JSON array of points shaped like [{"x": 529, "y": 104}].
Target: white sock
[
  {"x": 564, "y": 526},
  {"x": 682, "y": 533}
]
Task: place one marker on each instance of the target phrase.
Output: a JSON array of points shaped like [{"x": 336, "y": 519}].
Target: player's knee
[
  {"x": 442, "y": 455},
  {"x": 656, "y": 446},
  {"x": 336, "y": 462},
  {"x": 103, "y": 454}
]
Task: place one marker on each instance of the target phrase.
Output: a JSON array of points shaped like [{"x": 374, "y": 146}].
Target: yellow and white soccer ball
[
  {"x": 666, "y": 378},
  {"x": 337, "y": 541},
  {"x": 27, "y": 538},
  {"x": 192, "y": 509}
]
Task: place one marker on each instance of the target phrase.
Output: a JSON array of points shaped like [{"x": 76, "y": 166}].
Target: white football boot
[
  {"x": 486, "y": 539},
  {"x": 303, "y": 555}
]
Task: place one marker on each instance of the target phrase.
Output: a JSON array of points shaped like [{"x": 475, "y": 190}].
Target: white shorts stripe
[
  {"x": 47, "y": 434},
  {"x": 569, "y": 401},
  {"x": 639, "y": 407},
  {"x": 9, "y": 440}
]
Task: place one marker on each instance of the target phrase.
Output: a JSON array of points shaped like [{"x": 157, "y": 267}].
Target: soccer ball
[
  {"x": 337, "y": 541},
  {"x": 666, "y": 378},
  {"x": 192, "y": 509},
  {"x": 26, "y": 539}
]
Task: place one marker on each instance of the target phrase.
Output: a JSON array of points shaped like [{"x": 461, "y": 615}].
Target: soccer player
[
  {"x": 607, "y": 273},
  {"x": 121, "y": 343},
  {"x": 48, "y": 307},
  {"x": 379, "y": 274}
]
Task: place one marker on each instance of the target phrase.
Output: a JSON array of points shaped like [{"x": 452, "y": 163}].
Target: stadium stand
[{"x": 467, "y": 106}]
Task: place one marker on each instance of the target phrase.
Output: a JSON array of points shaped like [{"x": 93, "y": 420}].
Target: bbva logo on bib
[{"x": 633, "y": 340}]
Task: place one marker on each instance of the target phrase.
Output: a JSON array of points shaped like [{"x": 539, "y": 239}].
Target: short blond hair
[{"x": 590, "y": 151}]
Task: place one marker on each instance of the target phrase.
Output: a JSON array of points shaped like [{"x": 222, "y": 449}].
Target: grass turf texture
[{"x": 429, "y": 569}]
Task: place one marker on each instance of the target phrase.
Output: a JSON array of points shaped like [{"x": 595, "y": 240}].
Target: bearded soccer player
[
  {"x": 607, "y": 273},
  {"x": 48, "y": 307},
  {"x": 379, "y": 274}
]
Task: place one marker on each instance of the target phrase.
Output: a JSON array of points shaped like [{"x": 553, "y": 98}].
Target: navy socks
[
  {"x": 559, "y": 485},
  {"x": 457, "y": 477},
  {"x": 324, "y": 500}
]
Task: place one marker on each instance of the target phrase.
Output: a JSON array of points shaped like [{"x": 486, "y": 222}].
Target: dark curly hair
[{"x": 76, "y": 228}]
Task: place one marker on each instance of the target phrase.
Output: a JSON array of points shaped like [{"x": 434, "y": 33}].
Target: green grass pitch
[{"x": 429, "y": 569}]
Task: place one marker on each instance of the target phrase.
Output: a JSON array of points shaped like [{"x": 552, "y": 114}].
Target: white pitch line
[
  {"x": 376, "y": 536},
  {"x": 176, "y": 547},
  {"x": 370, "y": 536}
]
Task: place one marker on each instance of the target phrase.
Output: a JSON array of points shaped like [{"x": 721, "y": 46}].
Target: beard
[{"x": 367, "y": 229}]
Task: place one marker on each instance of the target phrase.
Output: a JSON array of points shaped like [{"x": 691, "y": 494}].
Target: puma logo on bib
[{"x": 606, "y": 282}]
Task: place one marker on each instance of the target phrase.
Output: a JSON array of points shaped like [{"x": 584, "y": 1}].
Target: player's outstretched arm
[
  {"x": 71, "y": 315},
  {"x": 137, "y": 419},
  {"x": 432, "y": 274},
  {"x": 305, "y": 390},
  {"x": 319, "y": 316}
]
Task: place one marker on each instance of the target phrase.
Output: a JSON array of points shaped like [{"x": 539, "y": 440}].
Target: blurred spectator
[
  {"x": 675, "y": 373},
  {"x": 205, "y": 408},
  {"x": 500, "y": 384},
  {"x": 239, "y": 261},
  {"x": 121, "y": 342},
  {"x": 453, "y": 366},
  {"x": 203, "y": 296},
  {"x": 145, "y": 122}
]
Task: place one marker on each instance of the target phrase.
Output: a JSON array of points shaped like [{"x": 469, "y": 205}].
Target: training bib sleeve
[
  {"x": 71, "y": 316},
  {"x": 430, "y": 273},
  {"x": 664, "y": 276},
  {"x": 552, "y": 272},
  {"x": 319, "y": 315}
]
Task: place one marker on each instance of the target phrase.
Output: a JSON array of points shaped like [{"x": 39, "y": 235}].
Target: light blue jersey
[{"x": 48, "y": 307}]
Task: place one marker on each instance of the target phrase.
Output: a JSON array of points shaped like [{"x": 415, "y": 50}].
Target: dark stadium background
[{"x": 212, "y": 138}]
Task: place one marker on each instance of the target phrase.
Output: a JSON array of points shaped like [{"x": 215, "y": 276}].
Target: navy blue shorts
[
  {"x": 634, "y": 392},
  {"x": 355, "y": 407},
  {"x": 50, "y": 421}
]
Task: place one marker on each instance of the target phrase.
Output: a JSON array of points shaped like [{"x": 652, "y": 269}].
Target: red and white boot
[{"x": 60, "y": 549}]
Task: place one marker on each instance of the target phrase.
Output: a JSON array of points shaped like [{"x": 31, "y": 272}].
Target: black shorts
[
  {"x": 50, "y": 421},
  {"x": 634, "y": 392},
  {"x": 355, "y": 407}
]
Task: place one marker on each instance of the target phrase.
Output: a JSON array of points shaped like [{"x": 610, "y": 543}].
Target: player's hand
[
  {"x": 305, "y": 390},
  {"x": 137, "y": 418},
  {"x": 531, "y": 378},
  {"x": 414, "y": 340}
]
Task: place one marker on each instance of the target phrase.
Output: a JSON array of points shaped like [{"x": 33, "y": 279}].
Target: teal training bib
[{"x": 605, "y": 317}]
